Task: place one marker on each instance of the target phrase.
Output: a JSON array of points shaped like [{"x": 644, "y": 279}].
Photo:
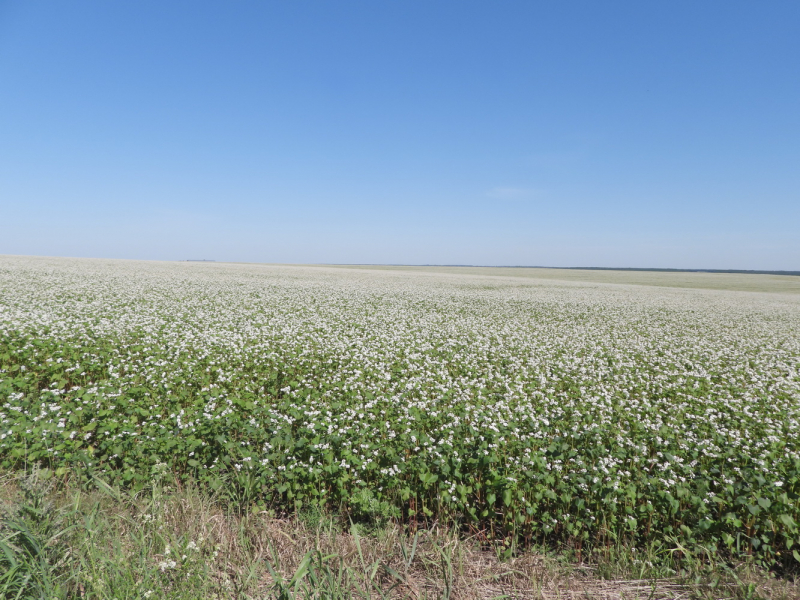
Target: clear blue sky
[{"x": 657, "y": 134}]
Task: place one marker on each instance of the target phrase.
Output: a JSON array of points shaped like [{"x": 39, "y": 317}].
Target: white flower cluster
[{"x": 381, "y": 369}]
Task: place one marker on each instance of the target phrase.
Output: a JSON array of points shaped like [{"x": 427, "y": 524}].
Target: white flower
[{"x": 167, "y": 564}]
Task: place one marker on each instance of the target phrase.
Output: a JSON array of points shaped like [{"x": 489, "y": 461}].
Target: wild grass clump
[{"x": 66, "y": 538}]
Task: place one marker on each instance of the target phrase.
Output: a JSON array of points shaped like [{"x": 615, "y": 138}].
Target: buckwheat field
[{"x": 539, "y": 411}]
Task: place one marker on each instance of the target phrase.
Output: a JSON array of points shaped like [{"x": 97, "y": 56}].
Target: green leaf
[{"x": 788, "y": 521}]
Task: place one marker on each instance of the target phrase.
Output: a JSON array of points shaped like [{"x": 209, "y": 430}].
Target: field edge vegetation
[{"x": 77, "y": 536}]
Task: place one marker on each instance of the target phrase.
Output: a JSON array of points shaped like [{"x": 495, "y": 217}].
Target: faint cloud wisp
[{"x": 511, "y": 193}]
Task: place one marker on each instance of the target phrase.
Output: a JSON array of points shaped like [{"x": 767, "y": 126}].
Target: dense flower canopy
[{"x": 542, "y": 407}]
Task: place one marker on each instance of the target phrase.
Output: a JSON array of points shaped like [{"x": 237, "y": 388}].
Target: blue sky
[{"x": 654, "y": 134}]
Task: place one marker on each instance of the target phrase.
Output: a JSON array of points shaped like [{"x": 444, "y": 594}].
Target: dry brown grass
[
  {"x": 246, "y": 555},
  {"x": 442, "y": 565}
]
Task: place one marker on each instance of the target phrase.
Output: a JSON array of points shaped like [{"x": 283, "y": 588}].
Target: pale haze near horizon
[{"x": 576, "y": 134}]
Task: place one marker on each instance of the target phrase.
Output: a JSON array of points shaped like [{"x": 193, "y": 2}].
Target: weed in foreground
[{"x": 60, "y": 540}]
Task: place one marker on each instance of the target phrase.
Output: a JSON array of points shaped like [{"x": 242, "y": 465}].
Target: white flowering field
[{"x": 534, "y": 410}]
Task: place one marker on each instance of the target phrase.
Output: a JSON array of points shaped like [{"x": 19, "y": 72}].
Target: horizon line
[
  {"x": 641, "y": 269},
  {"x": 651, "y": 269}
]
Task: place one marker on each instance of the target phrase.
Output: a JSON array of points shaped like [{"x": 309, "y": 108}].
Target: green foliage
[
  {"x": 607, "y": 440},
  {"x": 30, "y": 543}
]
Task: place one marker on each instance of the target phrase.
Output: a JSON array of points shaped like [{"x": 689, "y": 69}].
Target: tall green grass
[{"x": 62, "y": 540}]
